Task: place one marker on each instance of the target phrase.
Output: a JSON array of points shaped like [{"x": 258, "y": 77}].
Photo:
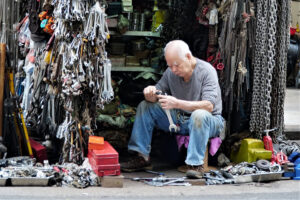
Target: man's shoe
[
  {"x": 137, "y": 163},
  {"x": 195, "y": 171},
  {"x": 183, "y": 168}
]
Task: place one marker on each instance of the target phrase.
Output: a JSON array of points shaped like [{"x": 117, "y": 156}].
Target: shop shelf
[
  {"x": 134, "y": 69},
  {"x": 137, "y": 33}
]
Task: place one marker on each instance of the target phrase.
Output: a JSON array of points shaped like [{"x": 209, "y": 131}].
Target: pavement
[
  {"x": 284, "y": 189},
  {"x": 292, "y": 111}
]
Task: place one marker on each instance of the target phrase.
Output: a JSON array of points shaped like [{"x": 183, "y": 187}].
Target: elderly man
[{"x": 194, "y": 101}]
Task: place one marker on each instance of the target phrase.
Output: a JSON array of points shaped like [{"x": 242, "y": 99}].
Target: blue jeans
[{"x": 200, "y": 126}]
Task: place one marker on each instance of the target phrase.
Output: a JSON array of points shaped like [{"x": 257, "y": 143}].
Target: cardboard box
[
  {"x": 117, "y": 61},
  {"x": 132, "y": 61},
  {"x": 112, "y": 181}
]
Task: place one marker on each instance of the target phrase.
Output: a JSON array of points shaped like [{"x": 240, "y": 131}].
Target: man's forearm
[{"x": 194, "y": 105}]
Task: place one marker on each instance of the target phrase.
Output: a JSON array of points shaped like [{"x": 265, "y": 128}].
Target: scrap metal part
[
  {"x": 160, "y": 181},
  {"x": 24, "y": 171}
]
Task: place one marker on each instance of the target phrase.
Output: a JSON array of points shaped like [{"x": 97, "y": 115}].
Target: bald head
[
  {"x": 177, "y": 48},
  {"x": 180, "y": 59}
]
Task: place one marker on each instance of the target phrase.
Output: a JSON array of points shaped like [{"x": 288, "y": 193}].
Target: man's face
[{"x": 177, "y": 65}]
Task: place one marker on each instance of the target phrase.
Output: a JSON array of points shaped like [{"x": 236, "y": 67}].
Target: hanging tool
[
  {"x": 11, "y": 118},
  {"x": 2, "y": 77},
  {"x": 81, "y": 141},
  {"x": 9, "y": 134},
  {"x": 19, "y": 112},
  {"x": 10, "y": 137}
]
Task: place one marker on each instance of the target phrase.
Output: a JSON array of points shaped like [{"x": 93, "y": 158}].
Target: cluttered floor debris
[{"x": 26, "y": 171}]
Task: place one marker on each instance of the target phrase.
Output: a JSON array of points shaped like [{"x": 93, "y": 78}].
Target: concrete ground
[
  {"x": 292, "y": 111},
  {"x": 284, "y": 189}
]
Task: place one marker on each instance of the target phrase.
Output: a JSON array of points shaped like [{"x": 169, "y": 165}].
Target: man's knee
[
  {"x": 142, "y": 104},
  {"x": 146, "y": 105},
  {"x": 199, "y": 117}
]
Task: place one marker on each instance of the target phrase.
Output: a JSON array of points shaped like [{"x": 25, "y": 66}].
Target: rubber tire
[{"x": 263, "y": 164}]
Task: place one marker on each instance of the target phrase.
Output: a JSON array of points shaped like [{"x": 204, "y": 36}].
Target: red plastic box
[
  {"x": 105, "y": 162},
  {"x": 107, "y": 156},
  {"x": 105, "y": 170},
  {"x": 39, "y": 151},
  {"x": 96, "y": 142}
]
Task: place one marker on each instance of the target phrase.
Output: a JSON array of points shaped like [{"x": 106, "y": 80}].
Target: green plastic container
[{"x": 251, "y": 150}]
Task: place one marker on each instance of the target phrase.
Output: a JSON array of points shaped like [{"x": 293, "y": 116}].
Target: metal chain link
[
  {"x": 272, "y": 20},
  {"x": 269, "y": 65},
  {"x": 256, "y": 66},
  {"x": 282, "y": 48}
]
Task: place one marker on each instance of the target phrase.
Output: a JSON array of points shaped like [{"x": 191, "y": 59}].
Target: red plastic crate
[
  {"x": 107, "y": 156},
  {"x": 39, "y": 151},
  {"x": 105, "y": 170}
]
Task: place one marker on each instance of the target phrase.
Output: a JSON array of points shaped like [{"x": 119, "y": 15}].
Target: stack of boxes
[{"x": 103, "y": 158}]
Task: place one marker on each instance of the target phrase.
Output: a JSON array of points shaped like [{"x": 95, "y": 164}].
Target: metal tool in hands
[{"x": 172, "y": 126}]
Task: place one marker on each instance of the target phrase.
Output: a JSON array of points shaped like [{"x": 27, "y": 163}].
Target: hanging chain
[
  {"x": 272, "y": 20},
  {"x": 269, "y": 65},
  {"x": 259, "y": 33},
  {"x": 280, "y": 83}
]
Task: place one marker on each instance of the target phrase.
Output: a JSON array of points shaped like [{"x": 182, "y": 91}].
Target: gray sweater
[{"x": 203, "y": 85}]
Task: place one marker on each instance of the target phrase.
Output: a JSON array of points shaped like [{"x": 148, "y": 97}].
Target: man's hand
[
  {"x": 167, "y": 102},
  {"x": 149, "y": 93}
]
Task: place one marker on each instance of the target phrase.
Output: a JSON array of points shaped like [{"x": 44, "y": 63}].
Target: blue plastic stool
[
  {"x": 289, "y": 174},
  {"x": 297, "y": 172}
]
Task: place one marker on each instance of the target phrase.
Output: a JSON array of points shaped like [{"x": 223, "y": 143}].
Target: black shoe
[{"x": 136, "y": 163}]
